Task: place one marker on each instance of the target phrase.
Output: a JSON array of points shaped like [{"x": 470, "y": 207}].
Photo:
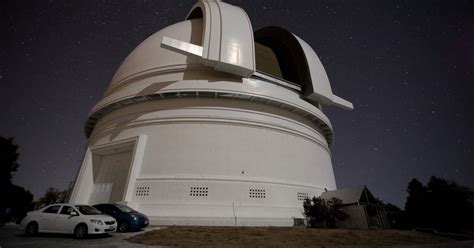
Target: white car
[{"x": 79, "y": 220}]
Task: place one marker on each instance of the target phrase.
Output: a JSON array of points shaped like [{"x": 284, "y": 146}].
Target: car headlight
[
  {"x": 98, "y": 222},
  {"x": 134, "y": 217}
]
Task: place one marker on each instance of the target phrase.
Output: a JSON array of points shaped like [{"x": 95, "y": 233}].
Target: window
[
  {"x": 112, "y": 209},
  {"x": 66, "y": 210},
  {"x": 104, "y": 208},
  {"x": 100, "y": 207},
  {"x": 124, "y": 208},
  {"x": 52, "y": 210},
  {"x": 87, "y": 210}
]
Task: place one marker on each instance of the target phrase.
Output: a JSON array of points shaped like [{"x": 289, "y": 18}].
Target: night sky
[{"x": 407, "y": 66}]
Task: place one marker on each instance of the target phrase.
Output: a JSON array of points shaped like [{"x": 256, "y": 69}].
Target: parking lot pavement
[{"x": 12, "y": 236}]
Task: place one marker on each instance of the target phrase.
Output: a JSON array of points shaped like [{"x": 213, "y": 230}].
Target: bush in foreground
[{"x": 324, "y": 213}]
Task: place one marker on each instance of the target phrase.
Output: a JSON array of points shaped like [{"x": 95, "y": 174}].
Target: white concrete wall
[{"x": 225, "y": 148}]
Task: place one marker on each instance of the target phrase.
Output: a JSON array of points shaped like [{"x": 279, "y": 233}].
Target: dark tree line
[
  {"x": 51, "y": 196},
  {"x": 16, "y": 200},
  {"x": 440, "y": 205}
]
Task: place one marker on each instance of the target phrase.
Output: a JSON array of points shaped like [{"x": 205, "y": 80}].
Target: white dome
[
  {"x": 151, "y": 57},
  {"x": 207, "y": 123}
]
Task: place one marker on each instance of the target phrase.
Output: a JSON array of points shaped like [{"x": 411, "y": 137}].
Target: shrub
[{"x": 324, "y": 213}]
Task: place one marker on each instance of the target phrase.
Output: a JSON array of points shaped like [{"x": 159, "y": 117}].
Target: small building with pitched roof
[{"x": 363, "y": 209}]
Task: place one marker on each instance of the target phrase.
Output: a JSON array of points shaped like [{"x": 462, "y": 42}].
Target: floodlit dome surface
[
  {"x": 208, "y": 123},
  {"x": 150, "y": 56}
]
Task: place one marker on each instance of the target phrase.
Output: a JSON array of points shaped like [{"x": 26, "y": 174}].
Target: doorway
[{"x": 110, "y": 170}]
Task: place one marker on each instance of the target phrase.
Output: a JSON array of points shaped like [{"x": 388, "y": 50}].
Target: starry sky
[{"x": 407, "y": 66}]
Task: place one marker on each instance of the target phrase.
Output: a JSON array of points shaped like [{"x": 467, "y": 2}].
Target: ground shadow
[{"x": 64, "y": 236}]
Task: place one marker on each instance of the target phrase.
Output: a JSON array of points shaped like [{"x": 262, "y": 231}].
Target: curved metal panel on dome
[
  {"x": 150, "y": 57},
  {"x": 320, "y": 89},
  {"x": 227, "y": 43},
  {"x": 297, "y": 62}
]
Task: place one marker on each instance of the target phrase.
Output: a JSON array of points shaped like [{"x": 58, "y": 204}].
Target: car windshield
[
  {"x": 125, "y": 209},
  {"x": 87, "y": 210}
]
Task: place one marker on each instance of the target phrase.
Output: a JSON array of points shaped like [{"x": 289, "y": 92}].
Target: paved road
[{"x": 12, "y": 236}]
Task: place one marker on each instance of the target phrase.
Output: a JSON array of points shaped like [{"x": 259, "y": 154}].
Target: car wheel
[
  {"x": 80, "y": 231},
  {"x": 122, "y": 227},
  {"x": 31, "y": 229}
]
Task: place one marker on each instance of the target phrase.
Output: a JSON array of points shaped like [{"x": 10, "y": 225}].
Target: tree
[
  {"x": 17, "y": 200},
  {"x": 8, "y": 161},
  {"x": 417, "y": 204},
  {"x": 396, "y": 216},
  {"x": 51, "y": 196},
  {"x": 452, "y": 205},
  {"x": 323, "y": 212},
  {"x": 441, "y": 205}
]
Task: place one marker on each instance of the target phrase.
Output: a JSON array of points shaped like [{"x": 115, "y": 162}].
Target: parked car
[
  {"x": 127, "y": 218},
  {"x": 79, "y": 220}
]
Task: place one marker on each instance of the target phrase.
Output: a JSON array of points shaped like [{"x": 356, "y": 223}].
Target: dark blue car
[{"x": 127, "y": 218}]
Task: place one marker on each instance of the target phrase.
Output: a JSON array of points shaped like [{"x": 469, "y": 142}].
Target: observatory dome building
[{"x": 207, "y": 122}]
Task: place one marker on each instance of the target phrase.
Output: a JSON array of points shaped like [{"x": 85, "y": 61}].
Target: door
[
  {"x": 47, "y": 218},
  {"x": 65, "y": 222},
  {"x": 110, "y": 173},
  {"x": 101, "y": 193}
]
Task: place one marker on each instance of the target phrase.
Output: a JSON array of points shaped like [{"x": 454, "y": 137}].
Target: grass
[{"x": 282, "y": 237}]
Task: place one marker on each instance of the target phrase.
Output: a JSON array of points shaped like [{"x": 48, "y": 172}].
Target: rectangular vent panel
[
  {"x": 142, "y": 191},
  {"x": 301, "y": 196},
  {"x": 199, "y": 191},
  {"x": 257, "y": 193}
]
